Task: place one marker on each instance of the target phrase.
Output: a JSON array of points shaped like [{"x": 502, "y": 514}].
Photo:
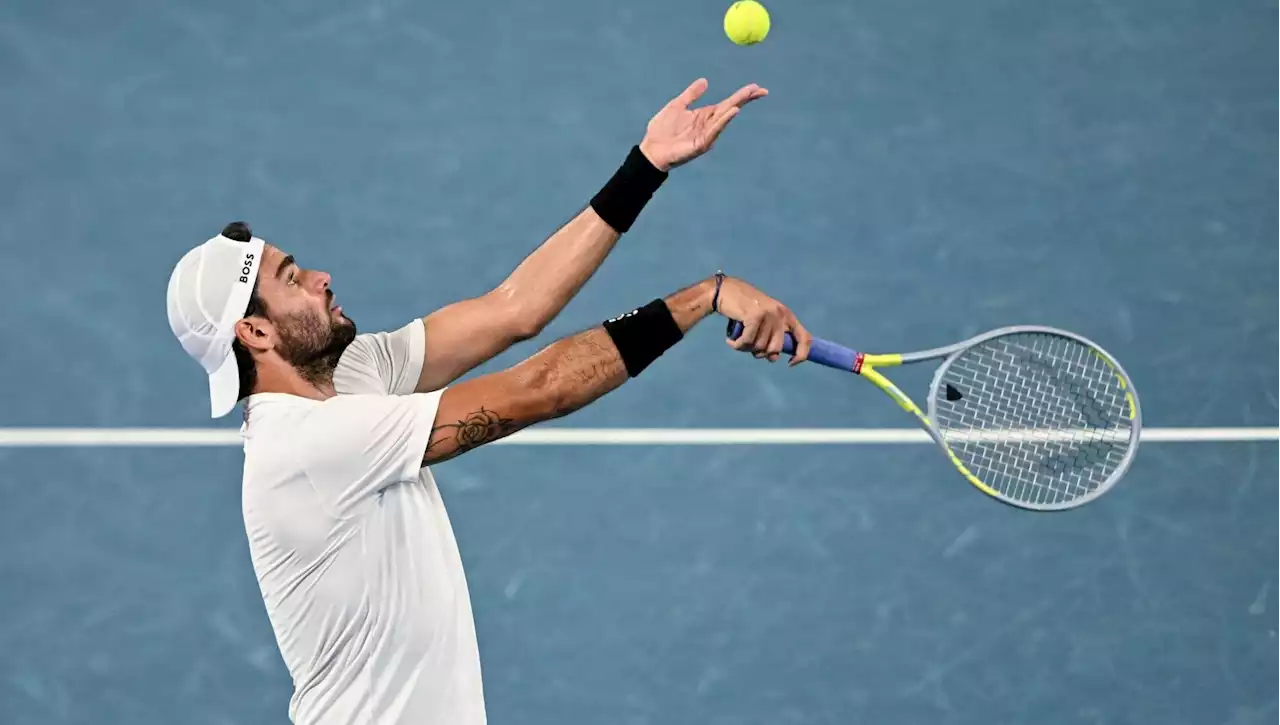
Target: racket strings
[{"x": 1040, "y": 418}]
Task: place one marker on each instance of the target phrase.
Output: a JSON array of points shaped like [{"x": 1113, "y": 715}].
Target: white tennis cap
[{"x": 208, "y": 293}]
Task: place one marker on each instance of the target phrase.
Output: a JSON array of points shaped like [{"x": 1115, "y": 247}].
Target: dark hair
[
  {"x": 240, "y": 232},
  {"x": 244, "y": 361}
]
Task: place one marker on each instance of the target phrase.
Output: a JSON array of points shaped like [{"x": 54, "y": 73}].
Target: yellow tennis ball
[{"x": 746, "y": 22}]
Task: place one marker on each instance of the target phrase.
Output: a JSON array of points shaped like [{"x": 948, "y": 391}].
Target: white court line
[{"x": 557, "y": 436}]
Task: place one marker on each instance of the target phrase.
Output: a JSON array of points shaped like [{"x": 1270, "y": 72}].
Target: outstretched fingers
[
  {"x": 724, "y": 111},
  {"x": 717, "y": 123},
  {"x": 744, "y": 95},
  {"x": 690, "y": 94}
]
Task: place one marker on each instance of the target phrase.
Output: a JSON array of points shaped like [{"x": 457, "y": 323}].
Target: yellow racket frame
[
  {"x": 868, "y": 371},
  {"x": 867, "y": 365},
  {"x": 867, "y": 368}
]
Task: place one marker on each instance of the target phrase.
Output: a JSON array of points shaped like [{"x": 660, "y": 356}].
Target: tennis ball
[{"x": 746, "y": 22}]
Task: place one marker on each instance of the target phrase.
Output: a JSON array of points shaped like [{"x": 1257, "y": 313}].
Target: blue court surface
[{"x": 920, "y": 172}]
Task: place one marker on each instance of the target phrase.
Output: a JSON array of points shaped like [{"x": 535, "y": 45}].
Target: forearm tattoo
[
  {"x": 570, "y": 373},
  {"x": 477, "y": 429}
]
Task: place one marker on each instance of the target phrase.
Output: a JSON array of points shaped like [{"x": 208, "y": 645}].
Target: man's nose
[{"x": 320, "y": 280}]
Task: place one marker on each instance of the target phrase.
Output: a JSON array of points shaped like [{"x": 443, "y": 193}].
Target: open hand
[
  {"x": 765, "y": 321},
  {"x": 678, "y": 134}
]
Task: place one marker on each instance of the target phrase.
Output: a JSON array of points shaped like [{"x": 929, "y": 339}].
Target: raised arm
[
  {"x": 467, "y": 333},
  {"x": 576, "y": 370}
]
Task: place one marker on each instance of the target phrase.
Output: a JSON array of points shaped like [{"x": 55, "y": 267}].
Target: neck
[{"x": 313, "y": 383}]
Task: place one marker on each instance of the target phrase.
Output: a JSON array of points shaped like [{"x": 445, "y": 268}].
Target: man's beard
[{"x": 313, "y": 344}]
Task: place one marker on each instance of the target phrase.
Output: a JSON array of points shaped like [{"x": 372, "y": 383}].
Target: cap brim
[{"x": 224, "y": 387}]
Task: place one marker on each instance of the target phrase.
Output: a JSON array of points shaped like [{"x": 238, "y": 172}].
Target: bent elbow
[
  {"x": 522, "y": 321},
  {"x": 526, "y": 327}
]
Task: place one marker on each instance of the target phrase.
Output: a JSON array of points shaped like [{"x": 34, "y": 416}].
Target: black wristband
[
  {"x": 621, "y": 200},
  {"x": 642, "y": 335}
]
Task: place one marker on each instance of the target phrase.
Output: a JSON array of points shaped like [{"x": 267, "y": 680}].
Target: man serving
[{"x": 353, "y": 550}]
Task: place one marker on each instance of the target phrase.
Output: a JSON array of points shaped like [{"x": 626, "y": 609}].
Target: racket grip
[{"x": 823, "y": 352}]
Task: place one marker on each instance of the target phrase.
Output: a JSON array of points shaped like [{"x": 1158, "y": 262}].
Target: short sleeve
[
  {"x": 382, "y": 363},
  {"x": 354, "y": 446}
]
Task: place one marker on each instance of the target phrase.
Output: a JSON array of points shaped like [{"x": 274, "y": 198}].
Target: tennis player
[{"x": 354, "y": 553}]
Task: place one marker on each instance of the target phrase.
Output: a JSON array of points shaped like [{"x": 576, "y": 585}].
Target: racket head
[{"x": 1045, "y": 419}]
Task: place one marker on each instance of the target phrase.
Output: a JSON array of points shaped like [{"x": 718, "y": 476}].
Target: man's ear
[{"x": 256, "y": 334}]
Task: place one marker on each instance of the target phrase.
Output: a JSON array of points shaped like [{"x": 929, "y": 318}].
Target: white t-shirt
[{"x": 353, "y": 550}]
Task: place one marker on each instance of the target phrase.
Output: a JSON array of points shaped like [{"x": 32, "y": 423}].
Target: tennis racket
[{"x": 1039, "y": 418}]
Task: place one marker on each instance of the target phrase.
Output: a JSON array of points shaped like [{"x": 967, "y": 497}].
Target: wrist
[
  {"x": 719, "y": 287},
  {"x": 693, "y": 303},
  {"x": 707, "y": 293},
  {"x": 644, "y": 334},
  {"x": 646, "y": 148},
  {"x": 621, "y": 200}
]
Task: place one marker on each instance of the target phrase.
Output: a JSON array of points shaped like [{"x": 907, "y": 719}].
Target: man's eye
[{"x": 291, "y": 278}]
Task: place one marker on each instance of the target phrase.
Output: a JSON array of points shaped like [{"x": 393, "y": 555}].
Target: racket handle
[{"x": 823, "y": 352}]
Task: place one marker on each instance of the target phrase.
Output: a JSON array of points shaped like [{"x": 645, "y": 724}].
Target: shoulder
[
  {"x": 382, "y": 363},
  {"x": 365, "y": 439},
  {"x": 345, "y": 448}
]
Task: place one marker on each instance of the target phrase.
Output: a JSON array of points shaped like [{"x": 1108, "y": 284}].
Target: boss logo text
[{"x": 246, "y": 268}]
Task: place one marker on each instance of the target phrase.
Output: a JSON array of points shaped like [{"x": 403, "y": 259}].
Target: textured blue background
[{"x": 921, "y": 171}]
